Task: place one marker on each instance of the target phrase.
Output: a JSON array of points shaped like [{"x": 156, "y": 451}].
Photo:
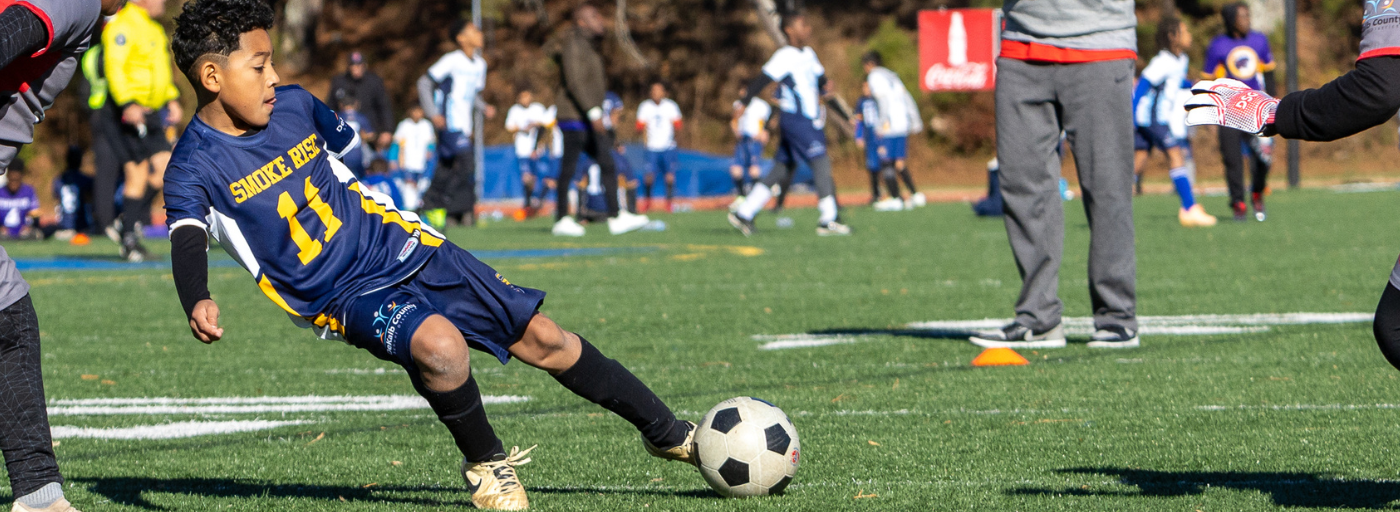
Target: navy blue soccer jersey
[{"x": 284, "y": 206}]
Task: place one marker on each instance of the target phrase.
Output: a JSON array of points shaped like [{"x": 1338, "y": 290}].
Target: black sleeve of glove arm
[
  {"x": 1365, "y": 97},
  {"x": 189, "y": 264},
  {"x": 21, "y": 33}
]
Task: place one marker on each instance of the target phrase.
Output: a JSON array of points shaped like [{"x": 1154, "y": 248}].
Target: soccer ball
[{"x": 747, "y": 447}]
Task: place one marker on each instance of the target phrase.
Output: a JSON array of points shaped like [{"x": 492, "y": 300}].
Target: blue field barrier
[{"x": 700, "y": 174}]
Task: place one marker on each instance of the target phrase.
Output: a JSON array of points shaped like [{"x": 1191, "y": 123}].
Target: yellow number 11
[{"x": 308, "y": 247}]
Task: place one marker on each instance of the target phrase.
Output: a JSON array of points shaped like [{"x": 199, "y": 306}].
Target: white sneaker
[
  {"x": 919, "y": 200},
  {"x": 567, "y": 226},
  {"x": 626, "y": 222},
  {"x": 734, "y": 206},
  {"x": 892, "y": 204},
  {"x": 833, "y": 228}
]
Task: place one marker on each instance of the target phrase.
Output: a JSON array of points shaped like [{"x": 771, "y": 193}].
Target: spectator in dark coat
[{"x": 359, "y": 82}]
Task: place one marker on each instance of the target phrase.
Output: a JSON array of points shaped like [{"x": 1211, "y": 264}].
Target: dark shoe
[
  {"x": 1114, "y": 337},
  {"x": 1258, "y": 200},
  {"x": 1239, "y": 209},
  {"x": 1015, "y": 335}
]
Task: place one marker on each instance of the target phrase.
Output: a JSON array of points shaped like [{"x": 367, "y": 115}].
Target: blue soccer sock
[{"x": 1182, "y": 180}]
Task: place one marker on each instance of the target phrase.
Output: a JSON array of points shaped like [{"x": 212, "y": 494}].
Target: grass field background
[{"x": 1298, "y": 416}]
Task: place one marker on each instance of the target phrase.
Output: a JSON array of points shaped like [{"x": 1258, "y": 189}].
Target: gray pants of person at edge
[
  {"x": 1092, "y": 104},
  {"x": 821, "y": 176}
]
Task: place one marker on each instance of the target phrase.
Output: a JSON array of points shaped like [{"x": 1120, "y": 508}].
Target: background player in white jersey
[
  {"x": 802, "y": 86},
  {"x": 526, "y": 121},
  {"x": 659, "y": 118},
  {"x": 899, "y": 118},
  {"x": 1160, "y": 118},
  {"x": 450, "y": 93},
  {"x": 751, "y": 133},
  {"x": 867, "y": 116},
  {"x": 414, "y": 137}
]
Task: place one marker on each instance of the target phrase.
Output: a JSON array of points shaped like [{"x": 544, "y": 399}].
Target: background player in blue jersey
[
  {"x": 257, "y": 171},
  {"x": 1160, "y": 118},
  {"x": 802, "y": 85},
  {"x": 40, "y": 44},
  {"x": 1243, "y": 54}
]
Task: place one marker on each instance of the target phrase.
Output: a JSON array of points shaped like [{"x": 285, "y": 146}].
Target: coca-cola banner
[{"x": 957, "y": 49}]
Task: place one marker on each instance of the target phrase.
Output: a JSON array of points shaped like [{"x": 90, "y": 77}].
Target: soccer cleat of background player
[
  {"x": 257, "y": 171},
  {"x": 1363, "y": 98},
  {"x": 1160, "y": 118},
  {"x": 802, "y": 84}
]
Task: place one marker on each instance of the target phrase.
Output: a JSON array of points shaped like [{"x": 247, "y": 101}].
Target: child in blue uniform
[
  {"x": 867, "y": 117},
  {"x": 258, "y": 170}
]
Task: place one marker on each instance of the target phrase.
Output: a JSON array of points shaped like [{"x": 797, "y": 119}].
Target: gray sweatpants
[{"x": 1092, "y": 104}]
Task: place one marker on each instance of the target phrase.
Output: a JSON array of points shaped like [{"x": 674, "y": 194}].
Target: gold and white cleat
[
  {"x": 684, "y": 452},
  {"x": 494, "y": 484},
  {"x": 1195, "y": 217},
  {"x": 61, "y": 505}
]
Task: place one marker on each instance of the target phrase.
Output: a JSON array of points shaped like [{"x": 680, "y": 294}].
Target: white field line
[
  {"x": 365, "y": 371},
  {"x": 250, "y": 405},
  {"x": 1298, "y": 407},
  {"x": 1182, "y": 325},
  {"x": 169, "y": 430}
]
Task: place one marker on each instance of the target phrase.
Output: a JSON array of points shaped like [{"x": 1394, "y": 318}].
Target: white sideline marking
[
  {"x": 1351, "y": 188},
  {"x": 250, "y": 405},
  {"x": 169, "y": 430},
  {"x": 1299, "y": 407},
  {"x": 1181, "y": 325}
]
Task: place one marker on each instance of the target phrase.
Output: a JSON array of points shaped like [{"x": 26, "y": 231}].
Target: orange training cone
[{"x": 999, "y": 357}]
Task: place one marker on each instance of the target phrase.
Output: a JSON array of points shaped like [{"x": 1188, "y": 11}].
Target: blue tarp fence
[{"x": 700, "y": 174}]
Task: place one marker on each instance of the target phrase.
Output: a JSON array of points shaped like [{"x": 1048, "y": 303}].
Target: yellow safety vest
[{"x": 137, "y": 59}]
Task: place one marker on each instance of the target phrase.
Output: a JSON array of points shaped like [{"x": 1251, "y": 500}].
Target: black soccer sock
[
  {"x": 739, "y": 186},
  {"x": 748, "y": 187},
  {"x": 146, "y": 202},
  {"x": 131, "y": 214},
  {"x": 529, "y": 193},
  {"x": 874, "y": 187},
  {"x": 632, "y": 200},
  {"x": 461, "y": 412},
  {"x": 1387, "y": 325},
  {"x": 607, "y": 383},
  {"x": 908, "y": 180},
  {"x": 24, "y": 421},
  {"x": 646, "y": 189},
  {"x": 891, "y": 182}
]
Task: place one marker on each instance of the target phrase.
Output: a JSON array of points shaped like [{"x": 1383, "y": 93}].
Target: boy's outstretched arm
[
  {"x": 1365, "y": 97},
  {"x": 189, "y": 263}
]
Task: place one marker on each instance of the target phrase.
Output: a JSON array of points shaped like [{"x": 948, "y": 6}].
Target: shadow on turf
[
  {"x": 1286, "y": 489},
  {"x": 131, "y": 491},
  {"x": 938, "y": 334}
]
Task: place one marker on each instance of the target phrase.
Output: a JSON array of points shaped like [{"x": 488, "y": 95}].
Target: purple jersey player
[{"x": 1243, "y": 55}]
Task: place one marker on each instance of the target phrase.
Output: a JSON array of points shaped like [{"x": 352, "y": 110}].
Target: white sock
[
  {"x": 827, "y": 207},
  {"x": 42, "y": 498},
  {"x": 755, "y": 201}
]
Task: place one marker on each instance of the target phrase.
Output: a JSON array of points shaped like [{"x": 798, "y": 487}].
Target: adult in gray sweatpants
[{"x": 1067, "y": 65}]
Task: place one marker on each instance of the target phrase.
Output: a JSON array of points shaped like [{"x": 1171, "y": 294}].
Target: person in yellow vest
[{"x": 138, "y": 69}]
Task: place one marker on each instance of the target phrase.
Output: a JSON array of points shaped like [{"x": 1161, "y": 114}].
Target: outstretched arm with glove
[{"x": 1365, "y": 97}]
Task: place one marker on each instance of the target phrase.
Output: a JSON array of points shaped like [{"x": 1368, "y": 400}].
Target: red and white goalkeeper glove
[{"x": 1230, "y": 103}]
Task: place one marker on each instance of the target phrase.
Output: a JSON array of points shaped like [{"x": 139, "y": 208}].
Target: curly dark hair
[{"x": 207, "y": 27}]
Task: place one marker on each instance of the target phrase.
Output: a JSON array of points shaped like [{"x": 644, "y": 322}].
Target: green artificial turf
[{"x": 1297, "y": 416}]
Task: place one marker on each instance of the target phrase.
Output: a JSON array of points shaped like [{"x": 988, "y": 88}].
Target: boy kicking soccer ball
[{"x": 257, "y": 170}]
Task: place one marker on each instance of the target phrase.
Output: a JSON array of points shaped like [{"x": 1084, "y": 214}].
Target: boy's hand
[
  {"x": 1231, "y": 104},
  {"x": 204, "y": 321},
  {"x": 440, "y": 122}
]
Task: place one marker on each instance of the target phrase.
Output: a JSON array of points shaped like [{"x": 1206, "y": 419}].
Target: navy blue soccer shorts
[
  {"x": 1157, "y": 136},
  {"x": 747, "y": 152},
  {"x": 873, "y": 160},
  {"x": 801, "y": 140},
  {"x": 491, "y": 313}
]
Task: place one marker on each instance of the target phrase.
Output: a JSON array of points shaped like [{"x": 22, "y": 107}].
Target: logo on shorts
[
  {"x": 410, "y": 245},
  {"x": 502, "y": 279},
  {"x": 388, "y": 320}
]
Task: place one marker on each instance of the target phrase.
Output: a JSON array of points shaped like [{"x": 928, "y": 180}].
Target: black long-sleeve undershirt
[
  {"x": 189, "y": 265},
  {"x": 21, "y": 33},
  {"x": 1365, "y": 97}
]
